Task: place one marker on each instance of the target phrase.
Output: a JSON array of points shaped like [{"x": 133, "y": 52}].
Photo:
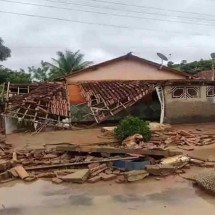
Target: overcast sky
[{"x": 183, "y": 34}]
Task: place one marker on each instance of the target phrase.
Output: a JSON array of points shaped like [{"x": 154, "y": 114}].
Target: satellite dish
[
  {"x": 213, "y": 55},
  {"x": 163, "y": 58}
]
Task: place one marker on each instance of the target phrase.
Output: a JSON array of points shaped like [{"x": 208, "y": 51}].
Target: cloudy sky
[{"x": 182, "y": 28}]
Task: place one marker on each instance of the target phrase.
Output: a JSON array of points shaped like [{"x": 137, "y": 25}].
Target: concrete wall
[
  {"x": 182, "y": 110},
  {"x": 125, "y": 70},
  {"x": 10, "y": 125}
]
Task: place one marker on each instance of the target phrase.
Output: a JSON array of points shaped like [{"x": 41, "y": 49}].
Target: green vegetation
[
  {"x": 130, "y": 126},
  {"x": 5, "y": 52},
  {"x": 7, "y": 75},
  {"x": 192, "y": 67}
]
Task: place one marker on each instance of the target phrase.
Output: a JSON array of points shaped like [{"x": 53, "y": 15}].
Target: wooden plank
[
  {"x": 43, "y": 167},
  {"x": 156, "y": 152}
]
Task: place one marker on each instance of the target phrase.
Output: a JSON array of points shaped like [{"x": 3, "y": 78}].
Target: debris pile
[
  {"x": 165, "y": 136},
  {"x": 129, "y": 161},
  {"x": 71, "y": 163},
  {"x": 186, "y": 140}
]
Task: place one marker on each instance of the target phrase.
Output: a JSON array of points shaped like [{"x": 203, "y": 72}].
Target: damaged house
[
  {"x": 118, "y": 87},
  {"x": 113, "y": 89},
  {"x": 132, "y": 85}
]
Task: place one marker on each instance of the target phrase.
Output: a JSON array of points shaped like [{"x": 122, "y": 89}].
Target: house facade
[{"x": 190, "y": 102}]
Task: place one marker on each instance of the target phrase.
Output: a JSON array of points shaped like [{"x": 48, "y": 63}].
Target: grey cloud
[{"x": 32, "y": 39}]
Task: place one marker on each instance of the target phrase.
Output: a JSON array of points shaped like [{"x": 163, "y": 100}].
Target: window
[
  {"x": 210, "y": 91},
  {"x": 178, "y": 92},
  {"x": 192, "y": 92},
  {"x": 185, "y": 92}
]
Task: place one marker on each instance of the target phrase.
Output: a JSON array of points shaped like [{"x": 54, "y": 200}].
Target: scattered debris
[
  {"x": 21, "y": 172},
  {"x": 130, "y": 161},
  {"x": 120, "y": 179},
  {"x": 57, "y": 180},
  {"x": 131, "y": 165},
  {"x": 178, "y": 161},
  {"x": 160, "y": 170},
  {"x": 136, "y": 175},
  {"x": 80, "y": 176},
  {"x": 107, "y": 177}
]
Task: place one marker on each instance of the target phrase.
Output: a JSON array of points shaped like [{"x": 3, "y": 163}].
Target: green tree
[
  {"x": 18, "y": 77},
  {"x": 39, "y": 74},
  {"x": 5, "y": 52},
  {"x": 193, "y": 67},
  {"x": 67, "y": 63}
]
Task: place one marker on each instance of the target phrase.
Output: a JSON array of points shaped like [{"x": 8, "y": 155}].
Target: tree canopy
[
  {"x": 39, "y": 74},
  {"x": 192, "y": 67},
  {"x": 16, "y": 77},
  {"x": 66, "y": 63},
  {"x": 5, "y": 52}
]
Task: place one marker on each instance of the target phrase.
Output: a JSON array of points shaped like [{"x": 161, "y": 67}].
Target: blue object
[{"x": 131, "y": 165}]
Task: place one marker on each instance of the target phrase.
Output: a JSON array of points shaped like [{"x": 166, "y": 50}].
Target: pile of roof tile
[{"x": 183, "y": 139}]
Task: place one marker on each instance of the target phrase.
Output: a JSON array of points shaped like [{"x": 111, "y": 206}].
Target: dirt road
[{"x": 171, "y": 195}]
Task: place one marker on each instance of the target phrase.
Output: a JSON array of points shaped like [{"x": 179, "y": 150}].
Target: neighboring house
[
  {"x": 189, "y": 101},
  {"x": 206, "y": 75}
]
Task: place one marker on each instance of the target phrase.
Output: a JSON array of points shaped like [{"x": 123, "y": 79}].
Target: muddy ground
[{"x": 169, "y": 195}]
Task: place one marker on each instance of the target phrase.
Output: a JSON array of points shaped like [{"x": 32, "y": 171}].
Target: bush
[{"x": 130, "y": 126}]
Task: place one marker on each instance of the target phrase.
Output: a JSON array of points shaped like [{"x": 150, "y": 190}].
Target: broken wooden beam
[
  {"x": 87, "y": 149},
  {"x": 43, "y": 167}
]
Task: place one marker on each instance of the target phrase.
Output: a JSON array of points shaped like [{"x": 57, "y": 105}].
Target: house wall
[
  {"x": 125, "y": 70},
  {"x": 188, "y": 110},
  {"x": 75, "y": 96}
]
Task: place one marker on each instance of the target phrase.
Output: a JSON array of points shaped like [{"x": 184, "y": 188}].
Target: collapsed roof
[
  {"x": 107, "y": 98},
  {"x": 43, "y": 105}
]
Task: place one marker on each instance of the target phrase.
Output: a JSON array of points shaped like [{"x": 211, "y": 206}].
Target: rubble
[
  {"x": 136, "y": 175},
  {"x": 80, "y": 176},
  {"x": 107, "y": 177},
  {"x": 94, "y": 179},
  {"x": 177, "y": 161},
  {"x": 160, "y": 170},
  {"x": 21, "y": 172},
  {"x": 57, "y": 180},
  {"x": 132, "y": 160},
  {"x": 120, "y": 179},
  {"x": 185, "y": 140}
]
